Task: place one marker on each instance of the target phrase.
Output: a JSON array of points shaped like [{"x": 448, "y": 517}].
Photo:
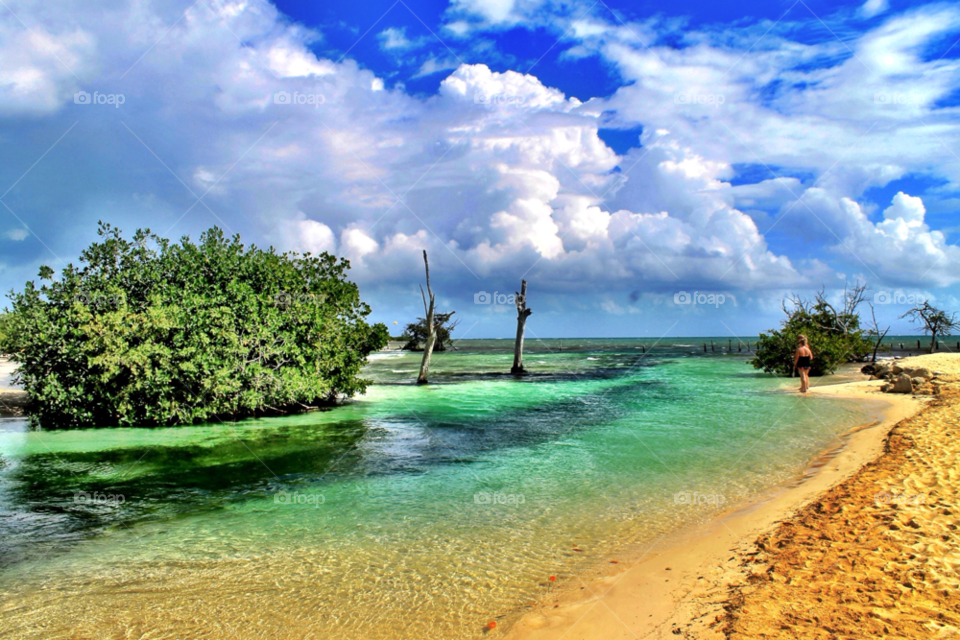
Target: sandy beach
[
  {"x": 861, "y": 535},
  {"x": 875, "y": 556}
]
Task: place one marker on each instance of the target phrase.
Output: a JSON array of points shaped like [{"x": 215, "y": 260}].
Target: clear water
[{"x": 412, "y": 512}]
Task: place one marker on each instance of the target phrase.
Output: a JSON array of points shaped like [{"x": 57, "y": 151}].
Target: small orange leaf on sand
[
  {"x": 492, "y": 624},
  {"x": 613, "y": 562},
  {"x": 553, "y": 578}
]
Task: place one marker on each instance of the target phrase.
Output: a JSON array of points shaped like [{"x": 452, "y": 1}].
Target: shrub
[
  {"x": 416, "y": 332},
  {"x": 835, "y": 336},
  {"x": 152, "y": 333}
]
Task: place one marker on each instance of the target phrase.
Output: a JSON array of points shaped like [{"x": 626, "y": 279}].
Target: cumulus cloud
[
  {"x": 900, "y": 249},
  {"x": 230, "y": 118},
  {"x": 857, "y": 113},
  {"x": 308, "y": 236}
]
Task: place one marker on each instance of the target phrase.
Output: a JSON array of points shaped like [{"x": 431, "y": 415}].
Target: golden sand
[{"x": 878, "y": 555}]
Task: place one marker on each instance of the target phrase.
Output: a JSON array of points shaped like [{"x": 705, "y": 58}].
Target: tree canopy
[
  {"x": 149, "y": 332},
  {"x": 936, "y": 322},
  {"x": 834, "y": 335},
  {"x": 415, "y": 333}
]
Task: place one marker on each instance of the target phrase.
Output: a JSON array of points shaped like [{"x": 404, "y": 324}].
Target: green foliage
[
  {"x": 835, "y": 336},
  {"x": 4, "y": 319},
  {"x": 415, "y": 333},
  {"x": 153, "y": 333}
]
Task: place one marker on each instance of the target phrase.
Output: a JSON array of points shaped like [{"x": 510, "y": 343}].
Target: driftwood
[{"x": 522, "y": 314}]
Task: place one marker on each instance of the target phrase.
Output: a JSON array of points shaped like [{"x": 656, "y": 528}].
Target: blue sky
[{"x": 613, "y": 154}]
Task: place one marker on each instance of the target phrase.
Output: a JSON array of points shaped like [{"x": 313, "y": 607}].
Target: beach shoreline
[{"x": 680, "y": 586}]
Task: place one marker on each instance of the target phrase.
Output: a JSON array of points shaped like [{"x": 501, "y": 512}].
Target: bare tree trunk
[
  {"x": 522, "y": 314},
  {"x": 431, "y": 330},
  {"x": 876, "y": 347},
  {"x": 876, "y": 330}
]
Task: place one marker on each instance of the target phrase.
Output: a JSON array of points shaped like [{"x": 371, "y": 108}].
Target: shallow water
[{"x": 412, "y": 512}]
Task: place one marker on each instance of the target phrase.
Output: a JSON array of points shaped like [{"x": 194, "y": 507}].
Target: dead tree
[
  {"x": 844, "y": 318},
  {"x": 936, "y": 321},
  {"x": 876, "y": 332},
  {"x": 522, "y": 314},
  {"x": 431, "y": 329}
]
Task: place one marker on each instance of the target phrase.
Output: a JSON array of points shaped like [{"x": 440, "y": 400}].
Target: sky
[{"x": 651, "y": 169}]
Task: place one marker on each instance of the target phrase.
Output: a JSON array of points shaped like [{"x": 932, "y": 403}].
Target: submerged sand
[{"x": 864, "y": 545}]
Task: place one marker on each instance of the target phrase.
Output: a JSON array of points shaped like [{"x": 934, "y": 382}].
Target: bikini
[{"x": 803, "y": 362}]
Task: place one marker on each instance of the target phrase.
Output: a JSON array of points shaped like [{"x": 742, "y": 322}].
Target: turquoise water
[{"x": 410, "y": 512}]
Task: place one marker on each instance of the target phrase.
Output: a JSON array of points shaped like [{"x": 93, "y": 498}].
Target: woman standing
[{"x": 801, "y": 361}]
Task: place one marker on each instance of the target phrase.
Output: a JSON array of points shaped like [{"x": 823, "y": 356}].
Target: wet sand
[{"x": 716, "y": 581}]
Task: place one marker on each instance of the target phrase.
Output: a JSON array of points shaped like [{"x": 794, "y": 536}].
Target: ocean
[{"x": 410, "y": 512}]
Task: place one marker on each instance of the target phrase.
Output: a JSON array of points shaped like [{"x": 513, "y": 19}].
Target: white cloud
[
  {"x": 872, "y": 8},
  {"x": 860, "y": 120},
  {"x": 357, "y": 244},
  {"x": 459, "y": 28},
  {"x": 305, "y": 235},
  {"x": 906, "y": 208},
  {"x": 498, "y": 174},
  {"x": 16, "y": 234},
  {"x": 492, "y": 11},
  {"x": 41, "y": 68},
  {"x": 900, "y": 249},
  {"x": 434, "y": 65},
  {"x": 395, "y": 40}
]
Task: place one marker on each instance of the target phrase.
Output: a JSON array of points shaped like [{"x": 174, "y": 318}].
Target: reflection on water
[{"x": 412, "y": 512}]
